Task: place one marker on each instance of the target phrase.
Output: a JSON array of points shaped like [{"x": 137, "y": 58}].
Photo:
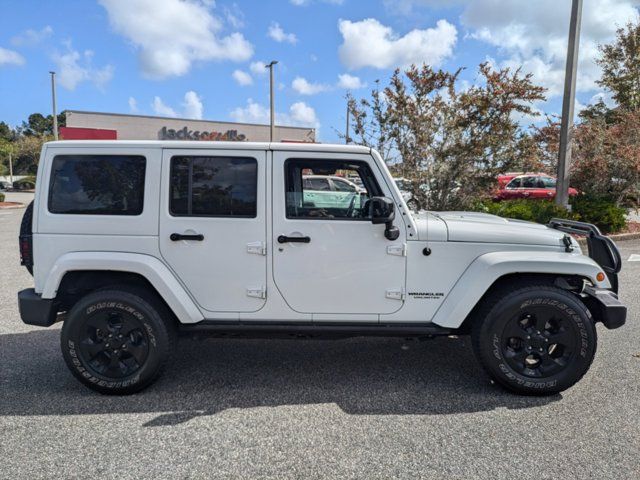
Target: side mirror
[{"x": 382, "y": 210}]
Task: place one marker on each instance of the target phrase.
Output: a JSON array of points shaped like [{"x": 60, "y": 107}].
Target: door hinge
[
  {"x": 257, "y": 292},
  {"x": 395, "y": 294},
  {"x": 398, "y": 250},
  {"x": 257, "y": 248}
]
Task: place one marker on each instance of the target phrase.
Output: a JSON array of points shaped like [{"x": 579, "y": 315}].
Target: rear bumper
[
  {"x": 605, "y": 307},
  {"x": 35, "y": 310}
]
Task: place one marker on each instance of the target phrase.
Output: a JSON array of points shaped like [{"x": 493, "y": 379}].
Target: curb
[
  {"x": 10, "y": 207},
  {"x": 620, "y": 237}
]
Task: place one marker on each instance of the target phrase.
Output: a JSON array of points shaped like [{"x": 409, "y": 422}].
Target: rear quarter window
[{"x": 97, "y": 184}]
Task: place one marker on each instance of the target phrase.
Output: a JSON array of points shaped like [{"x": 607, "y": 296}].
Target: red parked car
[{"x": 535, "y": 185}]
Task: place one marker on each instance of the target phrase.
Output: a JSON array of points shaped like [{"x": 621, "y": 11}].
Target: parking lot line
[{"x": 634, "y": 258}]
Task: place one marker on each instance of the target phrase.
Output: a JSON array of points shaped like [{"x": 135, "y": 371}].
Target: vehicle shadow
[{"x": 362, "y": 376}]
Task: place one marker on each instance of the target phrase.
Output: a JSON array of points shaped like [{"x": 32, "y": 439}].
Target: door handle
[
  {"x": 179, "y": 236},
  {"x": 285, "y": 239}
]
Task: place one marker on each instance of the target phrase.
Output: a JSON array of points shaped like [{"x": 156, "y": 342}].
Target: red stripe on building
[{"x": 76, "y": 133}]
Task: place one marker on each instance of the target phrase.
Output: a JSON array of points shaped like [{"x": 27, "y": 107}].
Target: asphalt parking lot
[{"x": 357, "y": 408}]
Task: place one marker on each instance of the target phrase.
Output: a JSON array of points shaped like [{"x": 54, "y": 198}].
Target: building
[{"x": 116, "y": 126}]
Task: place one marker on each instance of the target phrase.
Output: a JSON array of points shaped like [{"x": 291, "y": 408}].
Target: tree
[
  {"x": 6, "y": 132},
  {"x": 38, "y": 124},
  {"x": 26, "y": 154},
  {"x": 607, "y": 158},
  {"x": 449, "y": 142},
  {"x": 620, "y": 63}
]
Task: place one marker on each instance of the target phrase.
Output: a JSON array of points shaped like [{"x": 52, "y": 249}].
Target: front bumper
[
  {"x": 35, "y": 310},
  {"x": 605, "y": 307}
]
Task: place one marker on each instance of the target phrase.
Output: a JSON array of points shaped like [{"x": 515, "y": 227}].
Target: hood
[{"x": 485, "y": 228}]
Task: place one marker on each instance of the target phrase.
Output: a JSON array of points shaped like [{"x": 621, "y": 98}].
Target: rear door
[{"x": 213, "y": 227}]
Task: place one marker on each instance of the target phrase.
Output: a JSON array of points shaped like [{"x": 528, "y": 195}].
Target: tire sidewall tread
[
  {"x": 156, "y": 321},
  {"x": 487, "y": 343}
]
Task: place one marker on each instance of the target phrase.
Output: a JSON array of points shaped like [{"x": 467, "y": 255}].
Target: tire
[
  {"x": 534, "y": 340},
  {"x": 26, "y": 229},
  {"x": 140, "y": 324}
]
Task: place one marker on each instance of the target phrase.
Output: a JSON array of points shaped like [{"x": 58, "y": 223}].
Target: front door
[
  {"x": 213, "y": 227},
  {"x": 328, "y": 256}
]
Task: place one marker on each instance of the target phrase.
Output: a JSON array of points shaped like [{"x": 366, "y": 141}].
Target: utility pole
[
  {"x": 273, "y": 112},
  {"x": 568, "y": 104},
  {"x": 53, "y": 99}
]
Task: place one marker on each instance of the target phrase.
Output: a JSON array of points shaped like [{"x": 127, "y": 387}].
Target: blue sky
[{"x": 201, "y": 58}]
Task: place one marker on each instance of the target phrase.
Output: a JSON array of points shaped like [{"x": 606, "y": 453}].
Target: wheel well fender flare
[
  {"x": 153, "y": 270},
  {"x": 487, "y": 269}
]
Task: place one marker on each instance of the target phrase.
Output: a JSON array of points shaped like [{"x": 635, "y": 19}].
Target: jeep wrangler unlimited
[{"x": 131, "y": 242}]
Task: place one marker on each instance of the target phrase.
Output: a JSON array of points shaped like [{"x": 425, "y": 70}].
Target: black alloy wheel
[
  {"x": 539, "y": 342},
  {"x": 114, "y": 345},
  {"x": 118, "y": 340},
  {"x": 534, "y": 339}
]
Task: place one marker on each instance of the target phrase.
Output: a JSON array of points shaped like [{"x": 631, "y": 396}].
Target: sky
[{"x": 205, "y": 58}]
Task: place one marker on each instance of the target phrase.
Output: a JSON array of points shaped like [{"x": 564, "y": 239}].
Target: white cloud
[
  {"x": 368, "y": 43},
  {"x": 304, "y": 87},
  {"x": 234, "y": 16},
  {"x": 74, "y": 68},
  {"x": 304, "y": 3},
  {"x": 258, "y": 67},
  {"x": 243, "y": 78},
  {"x": 276, "y": 33},
  {"x": 252, "y": 113},
  {"x": 160, "y": 108},
  {"x": 171, "y": 35},
  {"x": 350, "y": 82},
  {"x": 192, "y": 105},
  {"x": 533, "y": 35},
  {"x": 32, "y": 37},
  {"x": 303, "y": 115},
  {"x": 9, "y": 57},
  {"x": 299, "y": 115},
  {"x": 133, "y": 105},
  {"x": 406, "y": 7}
]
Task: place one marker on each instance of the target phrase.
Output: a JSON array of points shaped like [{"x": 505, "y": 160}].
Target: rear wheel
[
  {"x": 117, "y": 341},
  {"x": 536, "y": 340}
]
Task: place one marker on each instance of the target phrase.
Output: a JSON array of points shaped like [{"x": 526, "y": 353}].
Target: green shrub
[
  {"x": 27, "y": 183},
  {"x": 1, "y": 197},
  {"x": 539, "y": 211},
  {"x": 601, "y": 212}
]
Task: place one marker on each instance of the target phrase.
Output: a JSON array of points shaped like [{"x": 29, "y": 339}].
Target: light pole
[
  {"x": 346, "y": 137},
  {"x": 273, "y": 112},
  {"x": 53, "y": 100},
  {"x": 568, "y": 104},
  {"x": 11, "y": 167}
]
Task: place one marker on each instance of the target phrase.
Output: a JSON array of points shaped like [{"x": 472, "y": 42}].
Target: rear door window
[
  {"x": 97, "y": 184},
  {"x": 213, "y": 186}
]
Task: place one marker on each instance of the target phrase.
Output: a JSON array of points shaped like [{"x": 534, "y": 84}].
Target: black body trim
[
  {"x": 605, "y": 307},
  {"x": 259, "y": 329},
  {"x": 601, "y": 248},
  {"x": 35, "y": 310}
]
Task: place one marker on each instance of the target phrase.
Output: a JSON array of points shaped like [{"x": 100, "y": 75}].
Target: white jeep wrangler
[{"x": 131, "y": 242}]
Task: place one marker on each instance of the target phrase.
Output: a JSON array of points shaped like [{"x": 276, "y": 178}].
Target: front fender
[
  {"x": 149, "y": 267},
  {"x": 488, "y": 268}
]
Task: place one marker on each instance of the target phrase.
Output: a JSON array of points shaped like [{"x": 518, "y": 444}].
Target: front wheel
[
  {"x": 535, "y": 340},
  {"x": 117, "y": 341}
]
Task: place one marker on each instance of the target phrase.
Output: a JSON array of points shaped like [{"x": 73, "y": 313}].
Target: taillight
[{"x": 26, "y": 250}]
